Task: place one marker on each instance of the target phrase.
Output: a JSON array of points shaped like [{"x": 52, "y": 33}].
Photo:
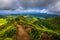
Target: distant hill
[{"x": 32, "y": 14}]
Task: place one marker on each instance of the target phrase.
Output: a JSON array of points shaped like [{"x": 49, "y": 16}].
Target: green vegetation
[
  {"x": 2, "y": 21},
  {"x": 39, "y": 26}
]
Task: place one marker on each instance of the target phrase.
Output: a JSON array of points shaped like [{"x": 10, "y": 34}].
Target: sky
[{"x": 42, "y": 6}]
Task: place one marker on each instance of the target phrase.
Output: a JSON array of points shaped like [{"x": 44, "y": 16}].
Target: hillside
[
  {"x": 39, "y": 26},
  {"x": 52, "y": 22},
  {"x": 2, "y": 21}
]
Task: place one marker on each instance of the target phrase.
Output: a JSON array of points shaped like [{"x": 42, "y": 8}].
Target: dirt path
[{"x": 21, "y": 33}]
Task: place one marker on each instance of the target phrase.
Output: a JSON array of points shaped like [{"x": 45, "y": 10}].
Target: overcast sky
[{"x": 28, "y": 5}]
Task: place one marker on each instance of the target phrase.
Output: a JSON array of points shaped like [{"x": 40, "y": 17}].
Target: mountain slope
[{"x": 39, "y": 26}]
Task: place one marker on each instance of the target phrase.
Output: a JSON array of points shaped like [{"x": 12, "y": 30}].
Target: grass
[{"x": 2, "y": 21}]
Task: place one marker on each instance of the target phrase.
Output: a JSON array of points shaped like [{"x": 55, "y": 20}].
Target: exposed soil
[{"x": 21, "y": 33}]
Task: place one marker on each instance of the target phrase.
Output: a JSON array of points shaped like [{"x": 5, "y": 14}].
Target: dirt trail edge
[{"x": 21, "y": 33}]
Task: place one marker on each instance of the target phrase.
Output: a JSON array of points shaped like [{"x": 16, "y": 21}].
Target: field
[{"x": 35, "y": 27}]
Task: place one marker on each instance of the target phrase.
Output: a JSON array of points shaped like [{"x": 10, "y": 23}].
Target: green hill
[
  {"x": 54, "y": 23},
  {"x": 39, "y": 26}
]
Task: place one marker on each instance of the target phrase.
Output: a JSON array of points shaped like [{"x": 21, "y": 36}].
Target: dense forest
[{"x": 34, "y": 27}]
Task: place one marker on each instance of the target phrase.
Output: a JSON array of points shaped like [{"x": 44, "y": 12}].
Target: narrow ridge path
[{"x": 21, "y": 33}]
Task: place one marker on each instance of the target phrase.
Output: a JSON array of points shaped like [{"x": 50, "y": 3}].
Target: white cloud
[
  {"x": 32, "y": 10},
  {"x": 44, "y": 11}
]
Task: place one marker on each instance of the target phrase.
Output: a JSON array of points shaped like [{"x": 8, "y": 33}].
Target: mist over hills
[{"x": 31, "y": 14}]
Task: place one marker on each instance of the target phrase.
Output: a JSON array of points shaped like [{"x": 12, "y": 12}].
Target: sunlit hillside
[{"x": 2, "y": 21}]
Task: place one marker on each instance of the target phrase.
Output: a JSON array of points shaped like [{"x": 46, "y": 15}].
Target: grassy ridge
[{"x": 7, "y": 30}]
